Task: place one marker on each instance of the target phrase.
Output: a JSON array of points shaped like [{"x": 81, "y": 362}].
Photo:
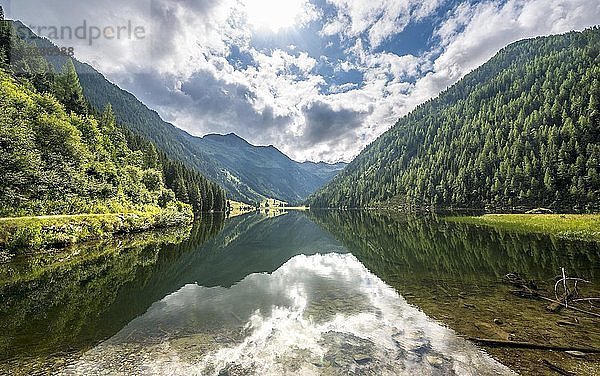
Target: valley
[{"x": 203, "y": 221}]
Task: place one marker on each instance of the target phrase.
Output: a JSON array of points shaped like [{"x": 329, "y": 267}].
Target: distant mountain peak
[
  {"x": 223, "y": 136},
  {"x": 229, "y": 138},
  {"x": 340, "y": 165},
  {"x": 249, "y": 173}
]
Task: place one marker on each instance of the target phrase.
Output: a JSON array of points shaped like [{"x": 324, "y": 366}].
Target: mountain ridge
[
  {"x": 250, "y": 183},
  {"x": 520, "y": 131}
]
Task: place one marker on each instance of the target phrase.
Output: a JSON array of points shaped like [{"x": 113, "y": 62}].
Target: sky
[{"x": 318, "y": 79}]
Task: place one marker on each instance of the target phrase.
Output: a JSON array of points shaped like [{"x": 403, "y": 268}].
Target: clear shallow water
[
  {"x": 293, "y": 294},
  {"x": 315, "y": 314}
]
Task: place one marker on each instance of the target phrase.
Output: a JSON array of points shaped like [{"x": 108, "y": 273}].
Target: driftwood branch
[
  {"x": 569, "y": 307},
  {"x": 557, "y": 369},
  {"x": 532, "y": 295},
  {"x": 529, "y": 345},
  {"x": 567, "y": 292},
  {"x": 585, "y": 299},
  {"x": 559, "y": 302},
  {"x": 563, "y": 301}
]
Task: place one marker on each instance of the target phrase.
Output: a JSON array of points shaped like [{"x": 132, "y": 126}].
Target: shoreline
[
  {"x": 31, "y": 234},
  {"x": 566, "y": 226}
]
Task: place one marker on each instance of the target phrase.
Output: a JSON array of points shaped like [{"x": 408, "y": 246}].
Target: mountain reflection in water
[
  {"x": 296, "y": 293},
  {"x": 315, "y": 314}
]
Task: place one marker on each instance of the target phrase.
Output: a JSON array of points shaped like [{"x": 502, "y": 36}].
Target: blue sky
[{"x": 319, "y": 79}]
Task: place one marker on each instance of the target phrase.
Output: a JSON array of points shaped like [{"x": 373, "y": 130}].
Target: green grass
[
  {"x": 570, "y": 226},
  {"x": 37, "y": 264},
  {"x": 22, "y": 234}
]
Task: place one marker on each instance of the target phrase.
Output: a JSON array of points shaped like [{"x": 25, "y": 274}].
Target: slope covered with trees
[
  {"x": 59, "y": 156},
  {"x": 522, "y": 130},
  {"x": 265, "y": 171}
]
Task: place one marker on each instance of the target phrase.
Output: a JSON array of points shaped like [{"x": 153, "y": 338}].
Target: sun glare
[{"x": 274, "y": 15}]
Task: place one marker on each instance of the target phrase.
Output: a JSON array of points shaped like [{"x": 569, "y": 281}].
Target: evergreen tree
[
  {"x": 115, "y": 139},
  {"x": 5, "y": 40},
  {"x": 594, "y": 110},
  {"x": 523, "y": 130},
  {"x": 68, "y": 90}
]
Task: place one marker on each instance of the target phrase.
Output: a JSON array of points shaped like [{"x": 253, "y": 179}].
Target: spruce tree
[
  {"x": 5, "y": 40},
  {"x": 69, "y": 91}
]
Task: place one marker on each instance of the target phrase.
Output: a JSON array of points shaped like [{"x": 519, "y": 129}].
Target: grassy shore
[
  {"x": 570, "y": 226},
  {"x": 26, "y": 233},
  {"x": 237, "y": 208}
]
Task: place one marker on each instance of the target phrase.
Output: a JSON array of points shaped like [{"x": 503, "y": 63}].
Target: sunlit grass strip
[
  {"x": 570, "y": 226},
  {"x": 41, "y": 263},
  {"x": 24, "y": 233}
]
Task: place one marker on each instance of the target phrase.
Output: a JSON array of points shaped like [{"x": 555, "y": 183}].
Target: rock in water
[
  {"x": 433, "y": 360},
  {"x": 362, "y": 358}
]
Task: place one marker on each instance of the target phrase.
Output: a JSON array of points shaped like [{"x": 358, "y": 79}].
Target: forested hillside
[
  {"x": 59, "y": 156},
  {"x": 265, "y": 171},
  {"x": 523, "y": 130}
]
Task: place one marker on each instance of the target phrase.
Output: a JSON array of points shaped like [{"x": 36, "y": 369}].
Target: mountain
[
  {"x": 523, "y": 130},
  {"x": 58, "y": 157},
  {"x": 249, "y": 173},
  {"x": 265, "y": 169},
  {"x": 326, "y": 171}
]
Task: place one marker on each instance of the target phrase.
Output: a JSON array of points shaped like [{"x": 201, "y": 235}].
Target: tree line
[
  {"x": 60, "y": 156},
  {"x": 523, "y": 130}
]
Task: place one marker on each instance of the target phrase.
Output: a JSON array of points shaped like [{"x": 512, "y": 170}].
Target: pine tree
[
  {"x": 5, "y": 40},
  {"x": 108, "y": 121},
  {"x": 594, "y": 111},
  {"x": 115, "y": 139},
  {"x": 150, "y": 156},
  {"x": 68, "y": 90},
  {"x": 180, "y": 189}
]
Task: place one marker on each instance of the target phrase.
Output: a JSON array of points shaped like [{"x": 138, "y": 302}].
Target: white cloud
[
  {"x": 336, "y": 89},
  {"x": 475, "y": 33},
  {"x": 280, "y": 96},
  {"x": 379, "y": 19},
  {"x": 277, "y": 15}
]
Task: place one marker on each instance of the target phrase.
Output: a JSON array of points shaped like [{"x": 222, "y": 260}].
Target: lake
[{"x": 331, "y": 292}]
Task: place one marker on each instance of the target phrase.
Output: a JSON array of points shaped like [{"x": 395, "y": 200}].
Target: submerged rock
[
  {"x": 362, "y": 358},
  {"x": 577, "y": 354},
  {"x": 434, "y": 361}
]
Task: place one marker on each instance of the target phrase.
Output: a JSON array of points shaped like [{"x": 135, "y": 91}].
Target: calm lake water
[{"x": 331, "y": 293}]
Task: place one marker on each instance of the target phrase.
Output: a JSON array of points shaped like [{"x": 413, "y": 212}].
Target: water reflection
[
  {"x": 396, "y": 245},
  {"x": 282, "y": 289},
  {"x": 454, "y": 273},
  {"x": 55, "y": 304},
  {"x": 251, "y": 244},
  {"x": 320, "y": 314}
]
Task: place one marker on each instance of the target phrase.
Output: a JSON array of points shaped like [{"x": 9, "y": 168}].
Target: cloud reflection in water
[{"x": 321, "y": 314}]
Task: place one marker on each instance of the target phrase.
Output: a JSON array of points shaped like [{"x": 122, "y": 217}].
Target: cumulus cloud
[
  {"x": 473, "y": 33},
  {"x": 378, "y": 19},
  {"x": 323, "y": 122},
  {"x": 317, "y": 83}
]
